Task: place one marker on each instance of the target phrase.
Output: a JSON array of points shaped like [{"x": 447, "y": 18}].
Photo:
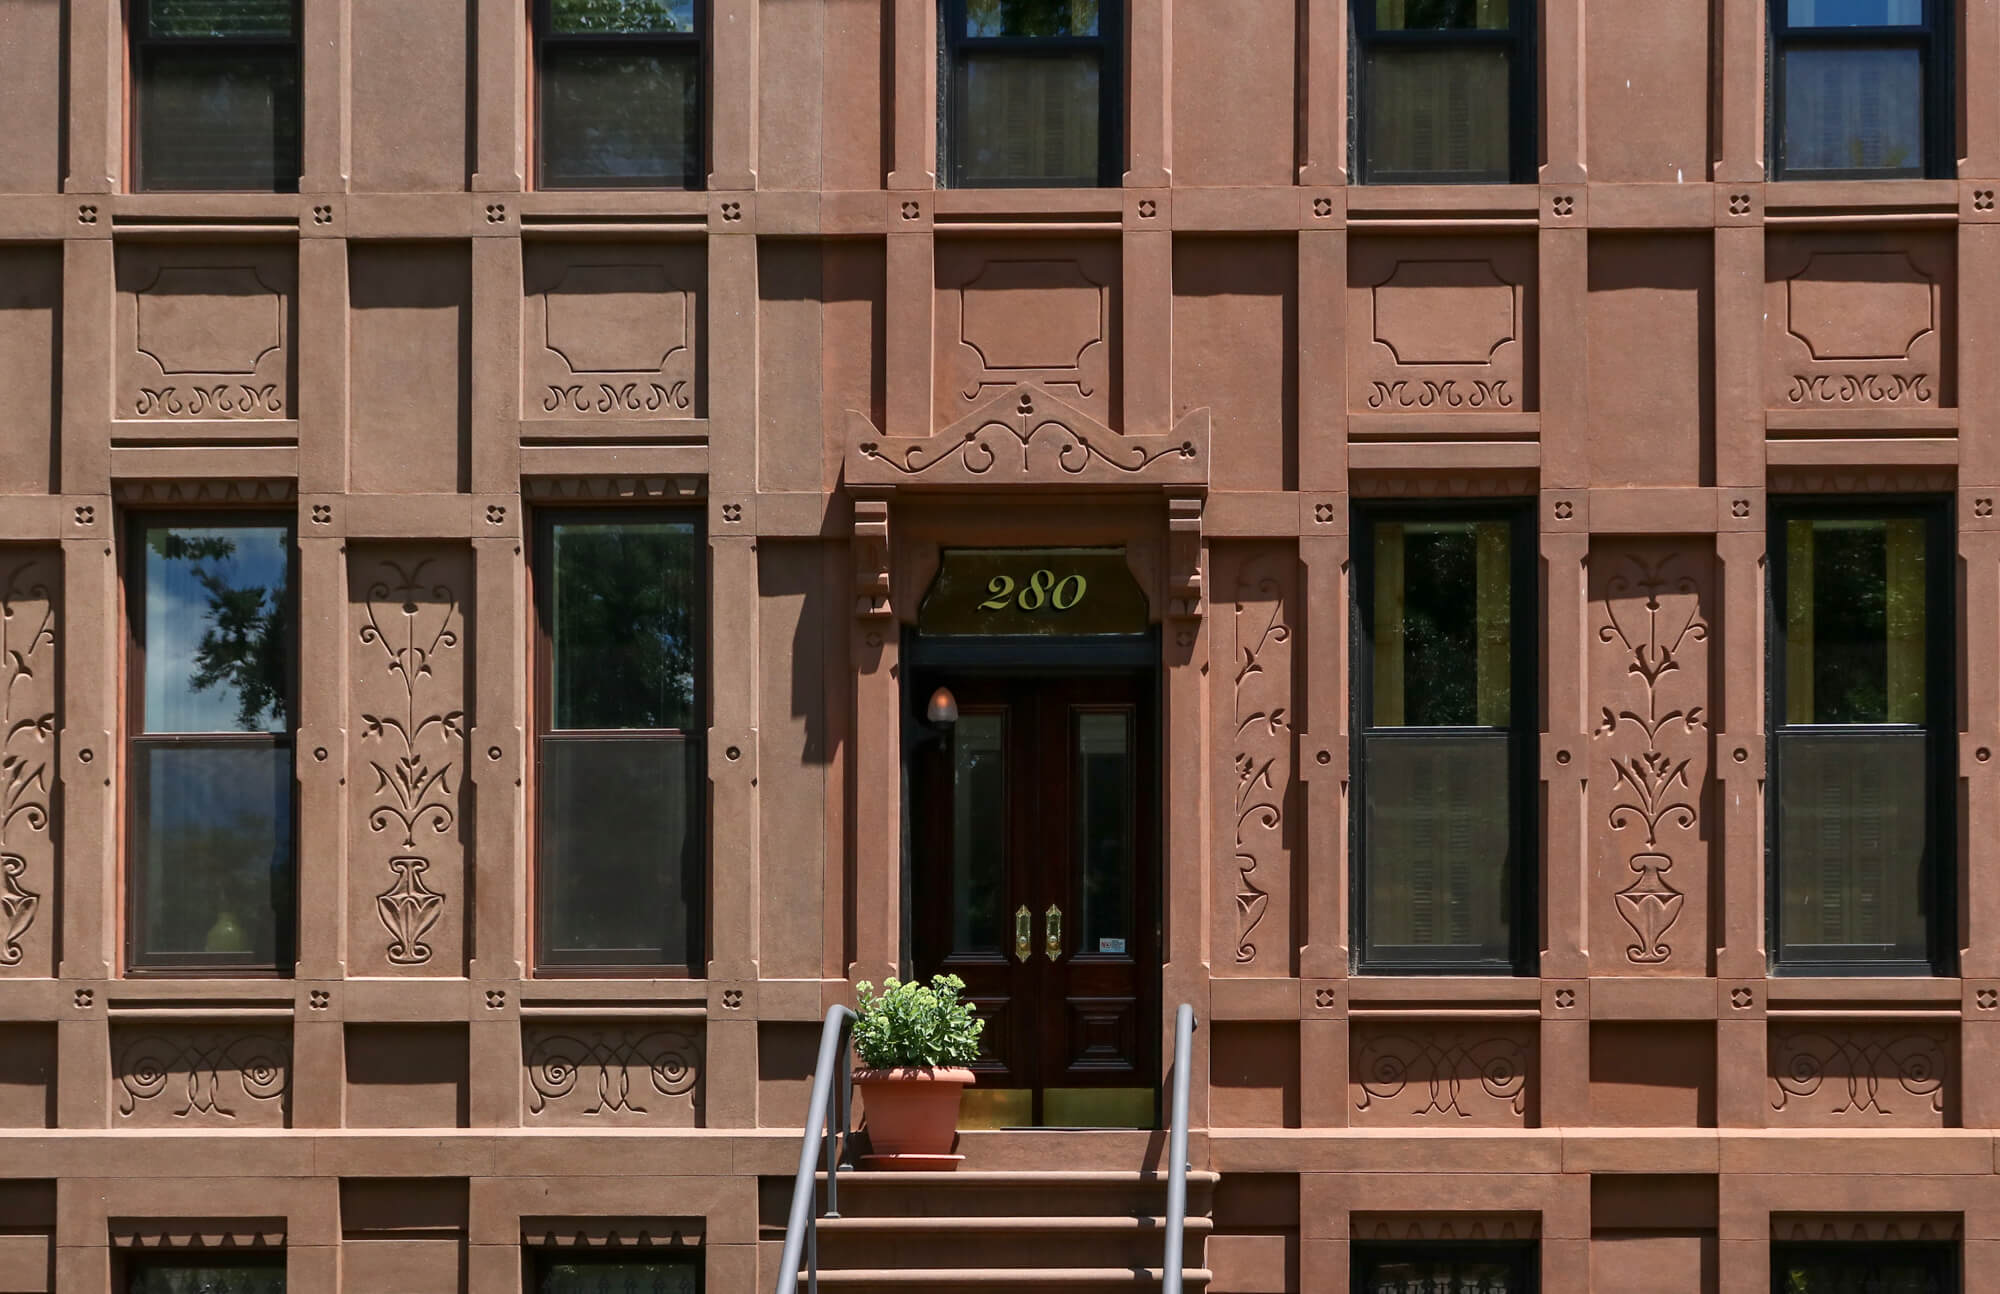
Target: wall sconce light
[{"x": 943, "y": 708}]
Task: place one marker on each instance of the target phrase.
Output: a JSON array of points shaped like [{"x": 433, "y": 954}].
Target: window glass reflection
[
  {"x": 624, "y": 649},
  {"x": 621, "y": 17},
  {"x": 1031, "y": 17},
  {"x": 217, "y": 635}
]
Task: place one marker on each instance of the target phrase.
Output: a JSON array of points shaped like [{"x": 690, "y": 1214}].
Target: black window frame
[
  {"x": 139, "y": 963},
  {"x": 545, "y": 35},
  {"x": 1524, "y": 651},
  {"x": 1523, "y": 90},
  {"x": 1932, "y": 39},
  {"x": 145, "y": 46},
  {"x": 1525, "y": 1254},
  {"x": 135, "y": 1265},
  {"x": 1109, "y": 44},
  {"x": 542, "y": 1258},
  {"x": 1940, "y": 880},
  {"x": 695, "y": 882},
  {"x": 1945, "y": 1257}
]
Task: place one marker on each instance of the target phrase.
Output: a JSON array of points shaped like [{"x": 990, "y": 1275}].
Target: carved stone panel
[
  {"x": 1650, "y": 604},
  {"x": 30, "y": 587},
  {"x": 1860, "y": 321},
  {"x": 204, "y": 332},
  {"x": 1255, "y": 623},
  {"x": 1832, "y": 1074},
  {"x": 1414, "y": 1074},
  {"x": 612, "y": 331},
  {"x": 591, "y": 1073},
  {"x": 1043, "y": 314},
  {"x": 1441, "y": 326},
  {"x": 407, "y": 612},
  {"x": 200, "y": 1076}
]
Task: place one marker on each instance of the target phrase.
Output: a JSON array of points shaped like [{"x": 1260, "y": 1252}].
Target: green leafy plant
[{"x": 914, "y": 1026}]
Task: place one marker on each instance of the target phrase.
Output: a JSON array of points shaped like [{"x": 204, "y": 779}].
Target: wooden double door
[{"x": 1034, "y": 879}]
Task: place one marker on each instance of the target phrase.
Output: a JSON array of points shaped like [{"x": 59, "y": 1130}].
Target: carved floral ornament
[
  {"x": 411, "y": 624},
  {"x": 1025, "y": 436},
  {"x": 1651, "y": 786},
  {"x": 1262, "y": 746},
  {"x": 27, "y": 733}
]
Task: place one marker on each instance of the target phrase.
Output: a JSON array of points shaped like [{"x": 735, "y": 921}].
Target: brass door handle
[
  {"x": 1052, "y": 943},
  {"x": 1024, "y": 938}
]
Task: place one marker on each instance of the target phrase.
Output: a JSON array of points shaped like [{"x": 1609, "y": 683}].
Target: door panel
[{"x": 1037, "y": 810}]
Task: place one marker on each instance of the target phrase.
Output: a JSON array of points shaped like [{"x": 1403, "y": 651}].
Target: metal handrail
[
  {"x": 833, "y": 1081},
  {"x": 1177, "y": 1153}
]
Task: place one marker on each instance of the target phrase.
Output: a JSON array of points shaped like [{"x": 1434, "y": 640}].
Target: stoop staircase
[
  {"x": 1077, "y": 1230},
  {"x": 1008, "y": 1232}
]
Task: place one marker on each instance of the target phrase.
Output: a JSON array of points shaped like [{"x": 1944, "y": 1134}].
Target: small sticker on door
[{"x": 1111, "y": 945}]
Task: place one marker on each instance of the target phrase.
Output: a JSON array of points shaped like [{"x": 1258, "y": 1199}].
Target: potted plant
[{"x": 914, "y": 1042}]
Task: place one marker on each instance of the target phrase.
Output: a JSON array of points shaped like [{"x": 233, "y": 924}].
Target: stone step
[
  {"x": 1012, "y": 1280},
  {"x": 1066, "y": 1241}
]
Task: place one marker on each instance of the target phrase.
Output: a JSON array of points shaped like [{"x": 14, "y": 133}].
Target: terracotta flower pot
[{"x": 912, "y": 1114}]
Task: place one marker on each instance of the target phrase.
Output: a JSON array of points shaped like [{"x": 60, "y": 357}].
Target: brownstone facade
[{"x": 843, "y": 370}]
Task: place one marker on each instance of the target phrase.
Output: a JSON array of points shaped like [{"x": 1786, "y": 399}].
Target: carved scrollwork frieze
[
  {"x": 587, "y": 1072},
  {"x": 27, "y": 744}
]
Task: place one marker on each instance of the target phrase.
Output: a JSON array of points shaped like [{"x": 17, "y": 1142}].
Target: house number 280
[{"x": 1042, "y": 589}]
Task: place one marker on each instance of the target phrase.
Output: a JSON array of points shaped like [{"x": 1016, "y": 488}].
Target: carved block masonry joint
[
  {"x": 1325, "y": 998},
  {"x": 1323, "y": 513},
  {"x": 1564, "y": 510},
  {"x": 1986, "y": 999},
  {"x": 319, "y": 999},
  {"x": 1742, "y": 999},
  {"x": 82, "y": 998},
  {"x": 1563, "y": 205},
  {"x": 1565, "y": 998},
  {"x": 1148, "y": 208},
  {"x": 732, "y": 998},
  {"x": 910, "y": 211},
  {"x": 496, "y": 999},
  {"x": 495, "y": 212},
  {"x": 322, "y": 514},
  {"x": 732, "y": 512},
  {"x": 496, "y": 514},
  {"x": 86, "y": 214},
  {"x": 1982, "y": 199},
  {"x": 1739, "y": 204},
  {"x": 1982, "y": 507},
  {"x": 322, "y": 215},
  {"x": 732, "y": 211},
  {"x": 85, "y": 514},
  {"x": 1739, "y": 508},
  {"x": 1322, "y": 207}
]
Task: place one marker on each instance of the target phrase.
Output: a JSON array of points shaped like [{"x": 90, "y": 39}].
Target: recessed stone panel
[
  {"x": 209, "y": 1076},
  {"x": 1440, "y": 326},
  {"x": 1043, "y": 313},
  {"x": 205, "y": 332},
  {"x": 1859, "y": 321},
  {"x": 612, "y": 332},
  {"x": 606, "y": 1073},
  {"x": 1423, "y": 1074},
  {"x": 407, "y": 616},
  {"x": 30, "y": 645}
]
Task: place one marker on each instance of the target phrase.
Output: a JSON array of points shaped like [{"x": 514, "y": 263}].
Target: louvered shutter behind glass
[{"x": 218, "y": 96}]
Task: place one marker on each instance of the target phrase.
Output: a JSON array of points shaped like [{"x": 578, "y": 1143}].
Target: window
[
  {"x": 1445, "y": 705},
  {"x": 1034, "y": 92},
  {"x": 567, "y": 1273},
  {"x": 1461, "y": 1268},
  {"x": 1841, "y": 1268},
  {"x": 210, "y": 760},
  {"x": 620, "y": 783},
  {"x": 1861, "y": 89},
  {"x": 1861, "y": 699},
  {"x": 222, "y": 1274},
  {"x": 620, "y": 93},
  {"x": 1446, "y": 91},
  {"x": 216, "y": 94}
]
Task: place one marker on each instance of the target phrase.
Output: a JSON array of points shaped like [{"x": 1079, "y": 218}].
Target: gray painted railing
[
  {"x": 1177, "y": 1153},
  {"x": 832, "y": 1094}
]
